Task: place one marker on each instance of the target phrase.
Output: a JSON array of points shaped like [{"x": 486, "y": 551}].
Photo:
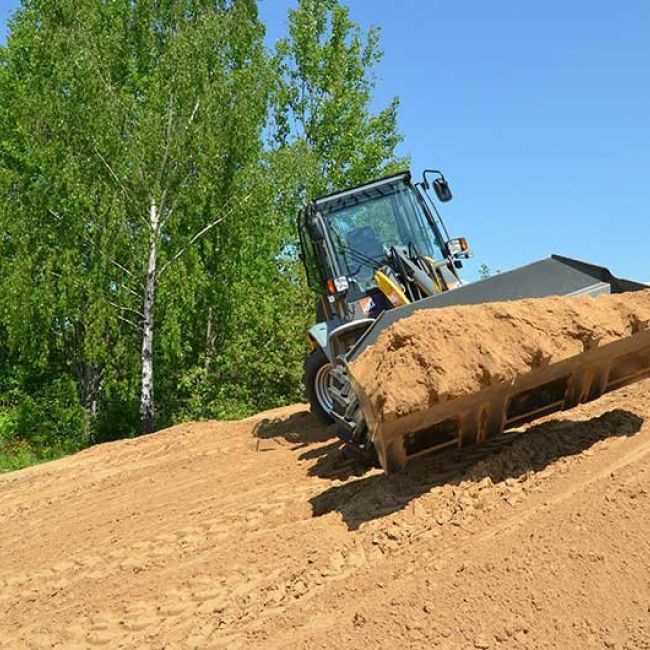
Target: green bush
[
  {"x": 116, "y": 418},
  {"x": 45, "y": 425},
  {"x": 203, "y": 395},
  {"x": 53, "y": 418},
  {"x": 16, "y": 453},
  {"x": 7, "y": 425}
]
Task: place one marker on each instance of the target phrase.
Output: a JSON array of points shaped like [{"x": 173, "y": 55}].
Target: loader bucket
[{"x": 501, "y": 406}]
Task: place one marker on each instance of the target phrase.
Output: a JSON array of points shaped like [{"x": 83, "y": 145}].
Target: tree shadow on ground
[
  {"x": 300, "y": 428},
  {"x": 377, "y": 495}
]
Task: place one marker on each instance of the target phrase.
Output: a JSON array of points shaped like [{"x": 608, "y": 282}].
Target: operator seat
[{"x": 366, "y": 241}]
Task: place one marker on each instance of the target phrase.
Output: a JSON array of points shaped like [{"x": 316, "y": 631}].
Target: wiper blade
[{"x": 362, "y": 257}]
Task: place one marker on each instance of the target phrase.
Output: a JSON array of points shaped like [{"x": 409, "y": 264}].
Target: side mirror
[{"x": 442, "y": 190}]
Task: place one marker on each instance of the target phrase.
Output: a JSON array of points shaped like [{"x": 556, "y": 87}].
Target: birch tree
[
  {"x": 152, "y": 159},
  {"x": 327, "y": 67},
  {"x": 140, "y": 124},
  {"x": 324, "y": 134}
]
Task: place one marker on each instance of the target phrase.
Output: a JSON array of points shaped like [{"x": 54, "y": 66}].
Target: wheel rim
[{"x": 323, "y": 381}]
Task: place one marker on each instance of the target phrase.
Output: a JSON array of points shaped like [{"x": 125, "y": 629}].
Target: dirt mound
[
  {"x": 259, "y": 534},
  {"x": 433, "y": 356}
]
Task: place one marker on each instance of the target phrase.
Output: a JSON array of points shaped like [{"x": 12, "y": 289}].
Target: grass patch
[{"x": 18, "y": 455}]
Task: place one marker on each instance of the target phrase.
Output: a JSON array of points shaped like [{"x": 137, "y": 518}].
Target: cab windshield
[{"x": 366, "y": 225}]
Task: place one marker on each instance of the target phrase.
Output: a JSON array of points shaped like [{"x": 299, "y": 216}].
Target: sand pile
[
  {"x": 260, "y": 534},
  {"x": 441, "y": 354}
]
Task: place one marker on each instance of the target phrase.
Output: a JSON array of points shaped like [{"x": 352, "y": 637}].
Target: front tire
[{"x": 318, "y": 379}]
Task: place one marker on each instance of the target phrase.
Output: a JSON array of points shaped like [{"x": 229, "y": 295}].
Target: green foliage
[
  {"x": 484, "y": 271},
  {"x": 110, "y": 107},
  {"x": 324, "y": 95},
  {"x": 52, "y": 418},
  {"x": 43, "y": 425}
]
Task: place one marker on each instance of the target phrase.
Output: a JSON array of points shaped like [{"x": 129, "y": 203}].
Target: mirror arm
[{"x": 425, "y": 182}]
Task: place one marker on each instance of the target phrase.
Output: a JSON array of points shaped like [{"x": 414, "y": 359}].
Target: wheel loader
[{"x": 374, "y": 254}]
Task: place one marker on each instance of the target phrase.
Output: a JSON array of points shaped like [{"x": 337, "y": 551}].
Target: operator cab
[
  {"x": 365, "y": 226},
  {"x": 377, "y": 246}
]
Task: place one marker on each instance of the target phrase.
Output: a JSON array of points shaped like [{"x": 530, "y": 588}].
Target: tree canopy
[{"x": 152, "y": 159}]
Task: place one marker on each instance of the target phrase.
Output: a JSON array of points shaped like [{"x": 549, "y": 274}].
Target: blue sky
[{"x": 539, "y": 114}]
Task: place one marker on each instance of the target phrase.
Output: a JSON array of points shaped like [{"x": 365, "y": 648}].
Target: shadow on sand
[
  {"x": 300, "y": 428},
  {"x": 377, "y": 495}
]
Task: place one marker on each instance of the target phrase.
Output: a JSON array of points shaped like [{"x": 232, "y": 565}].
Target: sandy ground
[{"x": 259, "y": 534}]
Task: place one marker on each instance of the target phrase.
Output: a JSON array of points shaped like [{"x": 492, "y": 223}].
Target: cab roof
[{"x": 340, "y": 198}]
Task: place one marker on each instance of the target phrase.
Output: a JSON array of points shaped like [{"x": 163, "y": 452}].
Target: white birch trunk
[{"x": 147, "y": 405}]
